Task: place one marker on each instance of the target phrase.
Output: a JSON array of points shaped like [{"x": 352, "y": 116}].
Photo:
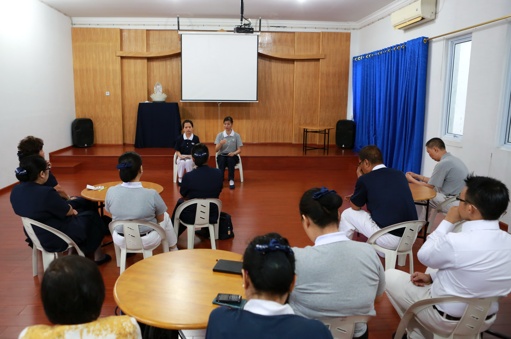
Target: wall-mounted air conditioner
[{"x": 414, "y": 14}]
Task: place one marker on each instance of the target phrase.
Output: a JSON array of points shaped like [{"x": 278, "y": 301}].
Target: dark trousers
[{"x": 229, "y": 162}]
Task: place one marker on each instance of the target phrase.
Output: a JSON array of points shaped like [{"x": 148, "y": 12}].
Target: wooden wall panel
[
  {"x": 334, "y": 77},
  {"x": 306, "y": 84},
  {"x": 291, "y": 92},
  {"x": 134, "y": 81},
  {"x": 96, "y": 71}
]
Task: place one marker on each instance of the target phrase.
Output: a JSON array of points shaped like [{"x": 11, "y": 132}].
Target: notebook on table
[{"x": 228, "y": 266}]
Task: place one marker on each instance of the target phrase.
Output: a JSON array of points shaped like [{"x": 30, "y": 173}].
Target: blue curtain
[{"x": 389, "y": 92}]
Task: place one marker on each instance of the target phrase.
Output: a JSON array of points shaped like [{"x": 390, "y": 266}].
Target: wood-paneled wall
[{"x": 291, "y": 92}]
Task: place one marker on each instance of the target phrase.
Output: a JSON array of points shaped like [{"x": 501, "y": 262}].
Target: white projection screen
[{"x": 219, "y": 67}]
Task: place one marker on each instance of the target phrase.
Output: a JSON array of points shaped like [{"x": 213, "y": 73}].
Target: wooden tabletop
[
  {"x": 317, "y": 127},
  {"x": 101, "y": 195},
  {"x": 420, "y": 192},
  {"x": 175, "y": 290}
]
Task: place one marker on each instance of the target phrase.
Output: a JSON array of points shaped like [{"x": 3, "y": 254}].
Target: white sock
[{"x": 231, "y": 182}]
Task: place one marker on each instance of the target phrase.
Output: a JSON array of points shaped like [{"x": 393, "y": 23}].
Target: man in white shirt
[{"x": 473, "y": 263}]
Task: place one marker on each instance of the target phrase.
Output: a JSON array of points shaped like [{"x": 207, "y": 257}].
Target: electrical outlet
[{"x": 107, "y": 93}]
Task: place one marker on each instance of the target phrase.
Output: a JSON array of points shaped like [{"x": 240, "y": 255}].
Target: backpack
[{"x": 225, "y": 228}]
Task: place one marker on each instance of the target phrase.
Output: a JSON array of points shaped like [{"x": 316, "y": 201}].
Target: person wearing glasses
[
  {"x": 268, "y": 273},
  {"x": 447, "y": 178},
  {"x": 31, "y": 198},
  {"x": 472, "y": 263},
  {"x": 326, "y": 290},
  {"x": 385, "y": 192}
]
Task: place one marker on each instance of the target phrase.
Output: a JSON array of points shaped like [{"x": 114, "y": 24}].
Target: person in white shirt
[{"x": 472, "y": 263}]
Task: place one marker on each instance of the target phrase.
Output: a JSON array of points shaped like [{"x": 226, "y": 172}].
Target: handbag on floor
[{"x": 225, "y": 228}]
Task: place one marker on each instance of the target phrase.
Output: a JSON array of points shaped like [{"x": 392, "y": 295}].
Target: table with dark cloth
[{"x": 158, "y": 124}]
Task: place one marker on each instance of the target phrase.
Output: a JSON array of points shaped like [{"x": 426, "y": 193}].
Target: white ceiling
[{"x": 299, "y": 10}]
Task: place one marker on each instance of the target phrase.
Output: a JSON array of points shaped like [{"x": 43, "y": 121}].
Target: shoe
[
  {"x": 179, "y": 182},
  {"x": 231, "y": 184},
  {"x": 105, "y": 259}
]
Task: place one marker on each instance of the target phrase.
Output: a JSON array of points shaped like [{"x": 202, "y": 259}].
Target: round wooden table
[
  {"x": 421, "y": 193},
  {"x": 175, "y": 290},
  {"x": 100, "y": 195}
]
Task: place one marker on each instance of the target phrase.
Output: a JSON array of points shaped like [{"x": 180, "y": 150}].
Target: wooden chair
[
  {"x": 201, "y": 219},
  {"x": 404, "y": 248},
  {"x": 47, "y": 257},
  {"x": 468, "y": 326},
  {"x": 133, "y": 241}
]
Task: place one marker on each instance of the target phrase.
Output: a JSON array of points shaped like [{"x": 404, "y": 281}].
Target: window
[
  {"x": 507, "y": 135},
  {"x": 457, "y": 83}
]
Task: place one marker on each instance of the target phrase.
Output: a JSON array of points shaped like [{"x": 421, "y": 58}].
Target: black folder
[{"x": 228, "y": 266}]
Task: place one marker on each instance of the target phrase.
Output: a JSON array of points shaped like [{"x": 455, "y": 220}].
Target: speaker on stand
[{"x": 82, "y": 132}]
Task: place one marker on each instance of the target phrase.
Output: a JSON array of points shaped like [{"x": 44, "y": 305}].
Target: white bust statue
[{"x": 158, "y": 95}]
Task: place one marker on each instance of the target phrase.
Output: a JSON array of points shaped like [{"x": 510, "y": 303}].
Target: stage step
[
  {"x": 254, "y": 157},
  {"x": 65, "y": 167}
]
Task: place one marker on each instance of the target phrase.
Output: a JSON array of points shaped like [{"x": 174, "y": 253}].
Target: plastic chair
[
  {"x": 404, "y": 248},
  {"x": 438, "y": 209},
  {"x": 133, "y": 240},
  {"x": 201, "y": 219},
  {"x": 468, "y": 326},
  {"x": 343, "y": 327},
  {"x": 47, "y": 257},
  {"x": 239, "y": 165},
  {"x": 174, "y": 162}
]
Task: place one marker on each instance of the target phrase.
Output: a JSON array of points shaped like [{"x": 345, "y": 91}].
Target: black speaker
[
  {"x": 345, "y": 134},
  {"x": 82, "y": 132}
]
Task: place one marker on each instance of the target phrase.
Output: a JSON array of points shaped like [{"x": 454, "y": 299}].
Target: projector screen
[{"x": 219, "y": 67}]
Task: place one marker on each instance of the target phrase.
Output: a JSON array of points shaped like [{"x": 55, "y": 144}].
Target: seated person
[
  {"x": 183, "y": 147},
  {"x": 472, "y": 263},
  {"x": 32, "y": 199},
  {"x": 385, "y": 192},
  {"x": 268, "y": 278},
  {"x": 447, "y": 178},
  {"x": 34, "y": 146},
  {"x": 129, "y": 201},
  {"x": 203, "y": 182},
  {"x": 228, "y": 145},
  {"x": 329, "y": 272},
  {"x": 72, "y": 292}
]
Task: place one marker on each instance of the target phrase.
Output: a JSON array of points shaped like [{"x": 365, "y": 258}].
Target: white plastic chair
[
  {"x": 239, "y": 165},
  {"x": 343, "y": 327},
  {"x": 47, "y": 257},
  {"x": 438, "y": 209},
  {"x": 404, "y": 248},
  {"x": 201, "y": 219},
  {"x": 133, "y": 240},
  {"x": 174, "y": 162},
  {"x": 469, "y": 326}
]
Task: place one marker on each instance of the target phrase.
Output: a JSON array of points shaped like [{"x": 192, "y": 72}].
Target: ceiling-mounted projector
[{"x": 243, "y": 28}]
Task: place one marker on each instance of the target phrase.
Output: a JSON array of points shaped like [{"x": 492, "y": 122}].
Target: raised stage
[{"x": 255, "y": 157}]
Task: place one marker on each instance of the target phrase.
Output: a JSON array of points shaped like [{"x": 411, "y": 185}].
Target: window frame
[{"x": 452, "y": 43}]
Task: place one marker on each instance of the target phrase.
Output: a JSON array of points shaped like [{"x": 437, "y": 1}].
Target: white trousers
[
  {"x": 152, "y": 239},
  {"x": 182, "y": 165},
  {"x": 361, "y": 221},
  {"x": 433, "y": 204},
  {"x": 403, "y": 293}
]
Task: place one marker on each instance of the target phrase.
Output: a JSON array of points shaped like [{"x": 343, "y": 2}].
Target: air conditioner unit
[{"x": 414, "y": 14}]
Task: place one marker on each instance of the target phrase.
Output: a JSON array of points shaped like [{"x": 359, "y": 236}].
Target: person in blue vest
[
  {"x": 183, "y": 147},
  {"x": 268, "y": 278}
]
